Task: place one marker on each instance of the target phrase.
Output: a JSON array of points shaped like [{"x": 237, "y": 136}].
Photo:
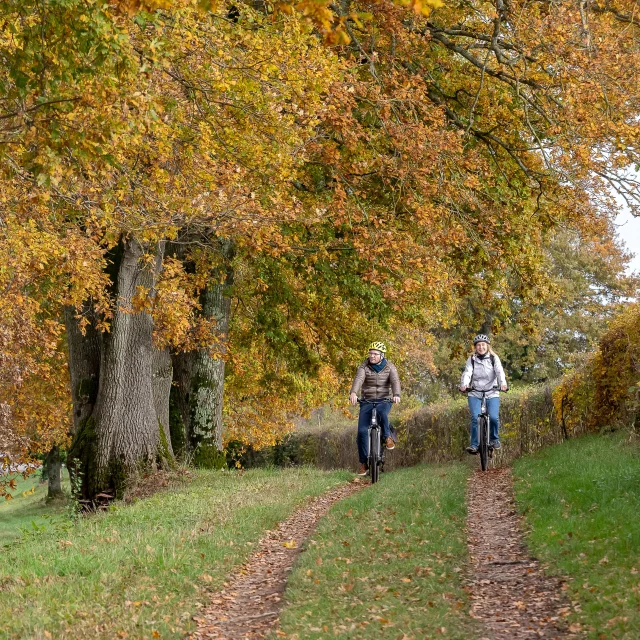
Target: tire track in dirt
[
  {"x": 249, "y": 605},
  {"x": 510, "y": 594}
]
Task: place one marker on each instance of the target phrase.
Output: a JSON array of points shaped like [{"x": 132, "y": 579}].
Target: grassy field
[
  {"x": 27, "y": 509},
  {"x": 581, "y": 500},
  {"x": 386, "y": 563},
  {"x": 143, "y": 570}
]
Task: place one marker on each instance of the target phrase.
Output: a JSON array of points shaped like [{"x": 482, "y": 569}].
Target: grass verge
[
  {"x": 28, "y": 509},
  {"x": 143, "y": 570},
  {"x": 581, "y": 500},
  {"x": 386, "y": 563}
]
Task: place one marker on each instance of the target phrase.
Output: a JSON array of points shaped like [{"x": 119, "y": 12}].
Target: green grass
[
  {"x": 143, "y": 570},
  {"x": 27, "y": 509},
  {"x": 386, "y": 563},
  {"x": 581, "y": 500}
]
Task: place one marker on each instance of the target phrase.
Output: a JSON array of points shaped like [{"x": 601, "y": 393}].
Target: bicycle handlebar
[
  {"x": 468, "y": 389},
  {"x": 374, "y": 402}
]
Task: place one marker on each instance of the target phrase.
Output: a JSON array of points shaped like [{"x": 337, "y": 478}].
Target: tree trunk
[
  {"x": 84, "y": 363},
  {"x": 161, "y": 385},
  {"x": 179, "y": 401},
  {"x": 199, "y": 377},
  {"x": 122, "y": 433},
  {"x": 53, "y": 465},
  {"x": 207, "y": 386}
]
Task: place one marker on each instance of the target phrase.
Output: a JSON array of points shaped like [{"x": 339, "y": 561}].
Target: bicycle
[
  {"x": 485, "y": 450},
  {"x": 375, "y": 458}
]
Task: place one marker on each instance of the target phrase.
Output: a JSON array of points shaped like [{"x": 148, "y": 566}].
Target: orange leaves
[{"x": 422, "y": 7}]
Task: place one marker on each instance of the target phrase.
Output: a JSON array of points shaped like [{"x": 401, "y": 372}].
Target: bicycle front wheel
[
  {"x": 374, "y": 454},
  {"x": 483, "y": 449}
]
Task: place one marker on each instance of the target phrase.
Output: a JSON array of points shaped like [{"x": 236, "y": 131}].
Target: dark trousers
[{"x": 364, "y": 420}]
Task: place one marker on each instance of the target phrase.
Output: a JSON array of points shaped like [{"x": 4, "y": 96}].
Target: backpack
[{"x": 473, "y": 364}]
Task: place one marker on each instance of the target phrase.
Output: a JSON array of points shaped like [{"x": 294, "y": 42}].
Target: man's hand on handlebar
[
  {"x": 396, "y": 399},
  {"x": 353, "y": 398},
  {"x": 503, "y": 387},
  {"x": 463, "y": 388}
]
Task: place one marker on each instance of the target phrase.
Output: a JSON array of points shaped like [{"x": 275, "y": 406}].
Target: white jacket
[{"x": 487, "y": 373}]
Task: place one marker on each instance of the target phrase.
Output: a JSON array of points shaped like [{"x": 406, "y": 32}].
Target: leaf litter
[
  {"x": 249, "y": 605},
  {"x": 510, "y": 593}
]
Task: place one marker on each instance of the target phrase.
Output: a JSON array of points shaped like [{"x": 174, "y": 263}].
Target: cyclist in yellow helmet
[{"x": 377, "y": 379}]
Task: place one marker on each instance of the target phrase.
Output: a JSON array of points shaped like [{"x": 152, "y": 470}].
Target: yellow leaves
[
  {"x": 131, "y": 7},
  {"x": 290, "y": 544},
  {"x": 422, "y": 7},
  {"x": 598, "y": 393}
]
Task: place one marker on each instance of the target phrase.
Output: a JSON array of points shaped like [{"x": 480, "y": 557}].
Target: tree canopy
[{"x": 195, "y": 193}]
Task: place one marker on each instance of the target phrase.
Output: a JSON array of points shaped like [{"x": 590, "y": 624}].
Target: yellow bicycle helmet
[{"x": 378, "y": 346}]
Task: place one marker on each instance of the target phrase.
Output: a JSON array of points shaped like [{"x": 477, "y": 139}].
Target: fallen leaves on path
[
  {"x": 249, "y": 606},
  {"x": 510, "y": 593}
]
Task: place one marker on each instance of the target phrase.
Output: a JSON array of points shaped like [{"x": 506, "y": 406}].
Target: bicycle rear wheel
[
  {"x": 374, "y": 454},
  {"x": 483, "y": 448}
]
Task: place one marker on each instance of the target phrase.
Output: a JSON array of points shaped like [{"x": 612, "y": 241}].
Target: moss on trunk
[
  {"x": 208, "y": 456},
  {"x": 166, "y": 457},
  {"x": 81, "y": 460},
  {"x": 177, "y": 427}
]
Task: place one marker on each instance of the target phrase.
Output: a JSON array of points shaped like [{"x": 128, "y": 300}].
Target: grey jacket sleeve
[
  {"x": 502, "y": 379},
  {"x": 395, "y": 380},
  {"x": 358, "y": 380},
  {"x": 465, "y": 381}
]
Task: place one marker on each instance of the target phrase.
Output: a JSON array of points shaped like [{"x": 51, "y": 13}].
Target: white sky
[{"x": 628, "y": 229}]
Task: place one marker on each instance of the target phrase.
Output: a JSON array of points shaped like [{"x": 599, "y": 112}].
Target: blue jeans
[
  {"x": 364, "y": 420},
  {"x": 493, "y": 408}
]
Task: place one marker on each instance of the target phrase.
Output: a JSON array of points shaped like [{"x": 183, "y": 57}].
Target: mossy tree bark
[
  {"x": 53, "y": 465},
  {"x": 179, "y": 416},
  {"x": 199, "y": 375},
  {"x": 121, "y": 433},
  {"x": 207, "y": 383},
  {"x": 161, "y": 384}
]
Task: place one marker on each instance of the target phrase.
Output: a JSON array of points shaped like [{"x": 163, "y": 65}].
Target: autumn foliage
[
  {"x": 605, "y": 392},
  {"x": 242, "y": 195}
]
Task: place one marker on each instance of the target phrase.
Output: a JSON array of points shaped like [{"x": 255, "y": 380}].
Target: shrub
[
  {"x": 604, "y": 392},
  {"x": 436, "y": 432}
]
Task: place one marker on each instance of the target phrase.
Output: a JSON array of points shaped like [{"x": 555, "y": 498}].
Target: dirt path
[
  {"x": 250, "y": 604},
  {"x": 510, "y": 594}
]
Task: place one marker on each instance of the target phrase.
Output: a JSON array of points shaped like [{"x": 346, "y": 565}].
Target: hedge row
[
  {"x": 606, "y": 389},
  {"x": 435, "y": 432}
]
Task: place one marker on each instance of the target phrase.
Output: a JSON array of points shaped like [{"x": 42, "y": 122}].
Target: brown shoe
[
  {"x": 390, "y": 443},
  {"x": 362, "y": 469}
]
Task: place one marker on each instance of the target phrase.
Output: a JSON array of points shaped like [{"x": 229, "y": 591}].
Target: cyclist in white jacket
[{"x": 484, "y": 372}]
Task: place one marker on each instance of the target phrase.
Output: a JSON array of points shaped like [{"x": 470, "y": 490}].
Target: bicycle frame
[
  {"x": 376, "y": 451},
  {"x": 484, "y": 447}
]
